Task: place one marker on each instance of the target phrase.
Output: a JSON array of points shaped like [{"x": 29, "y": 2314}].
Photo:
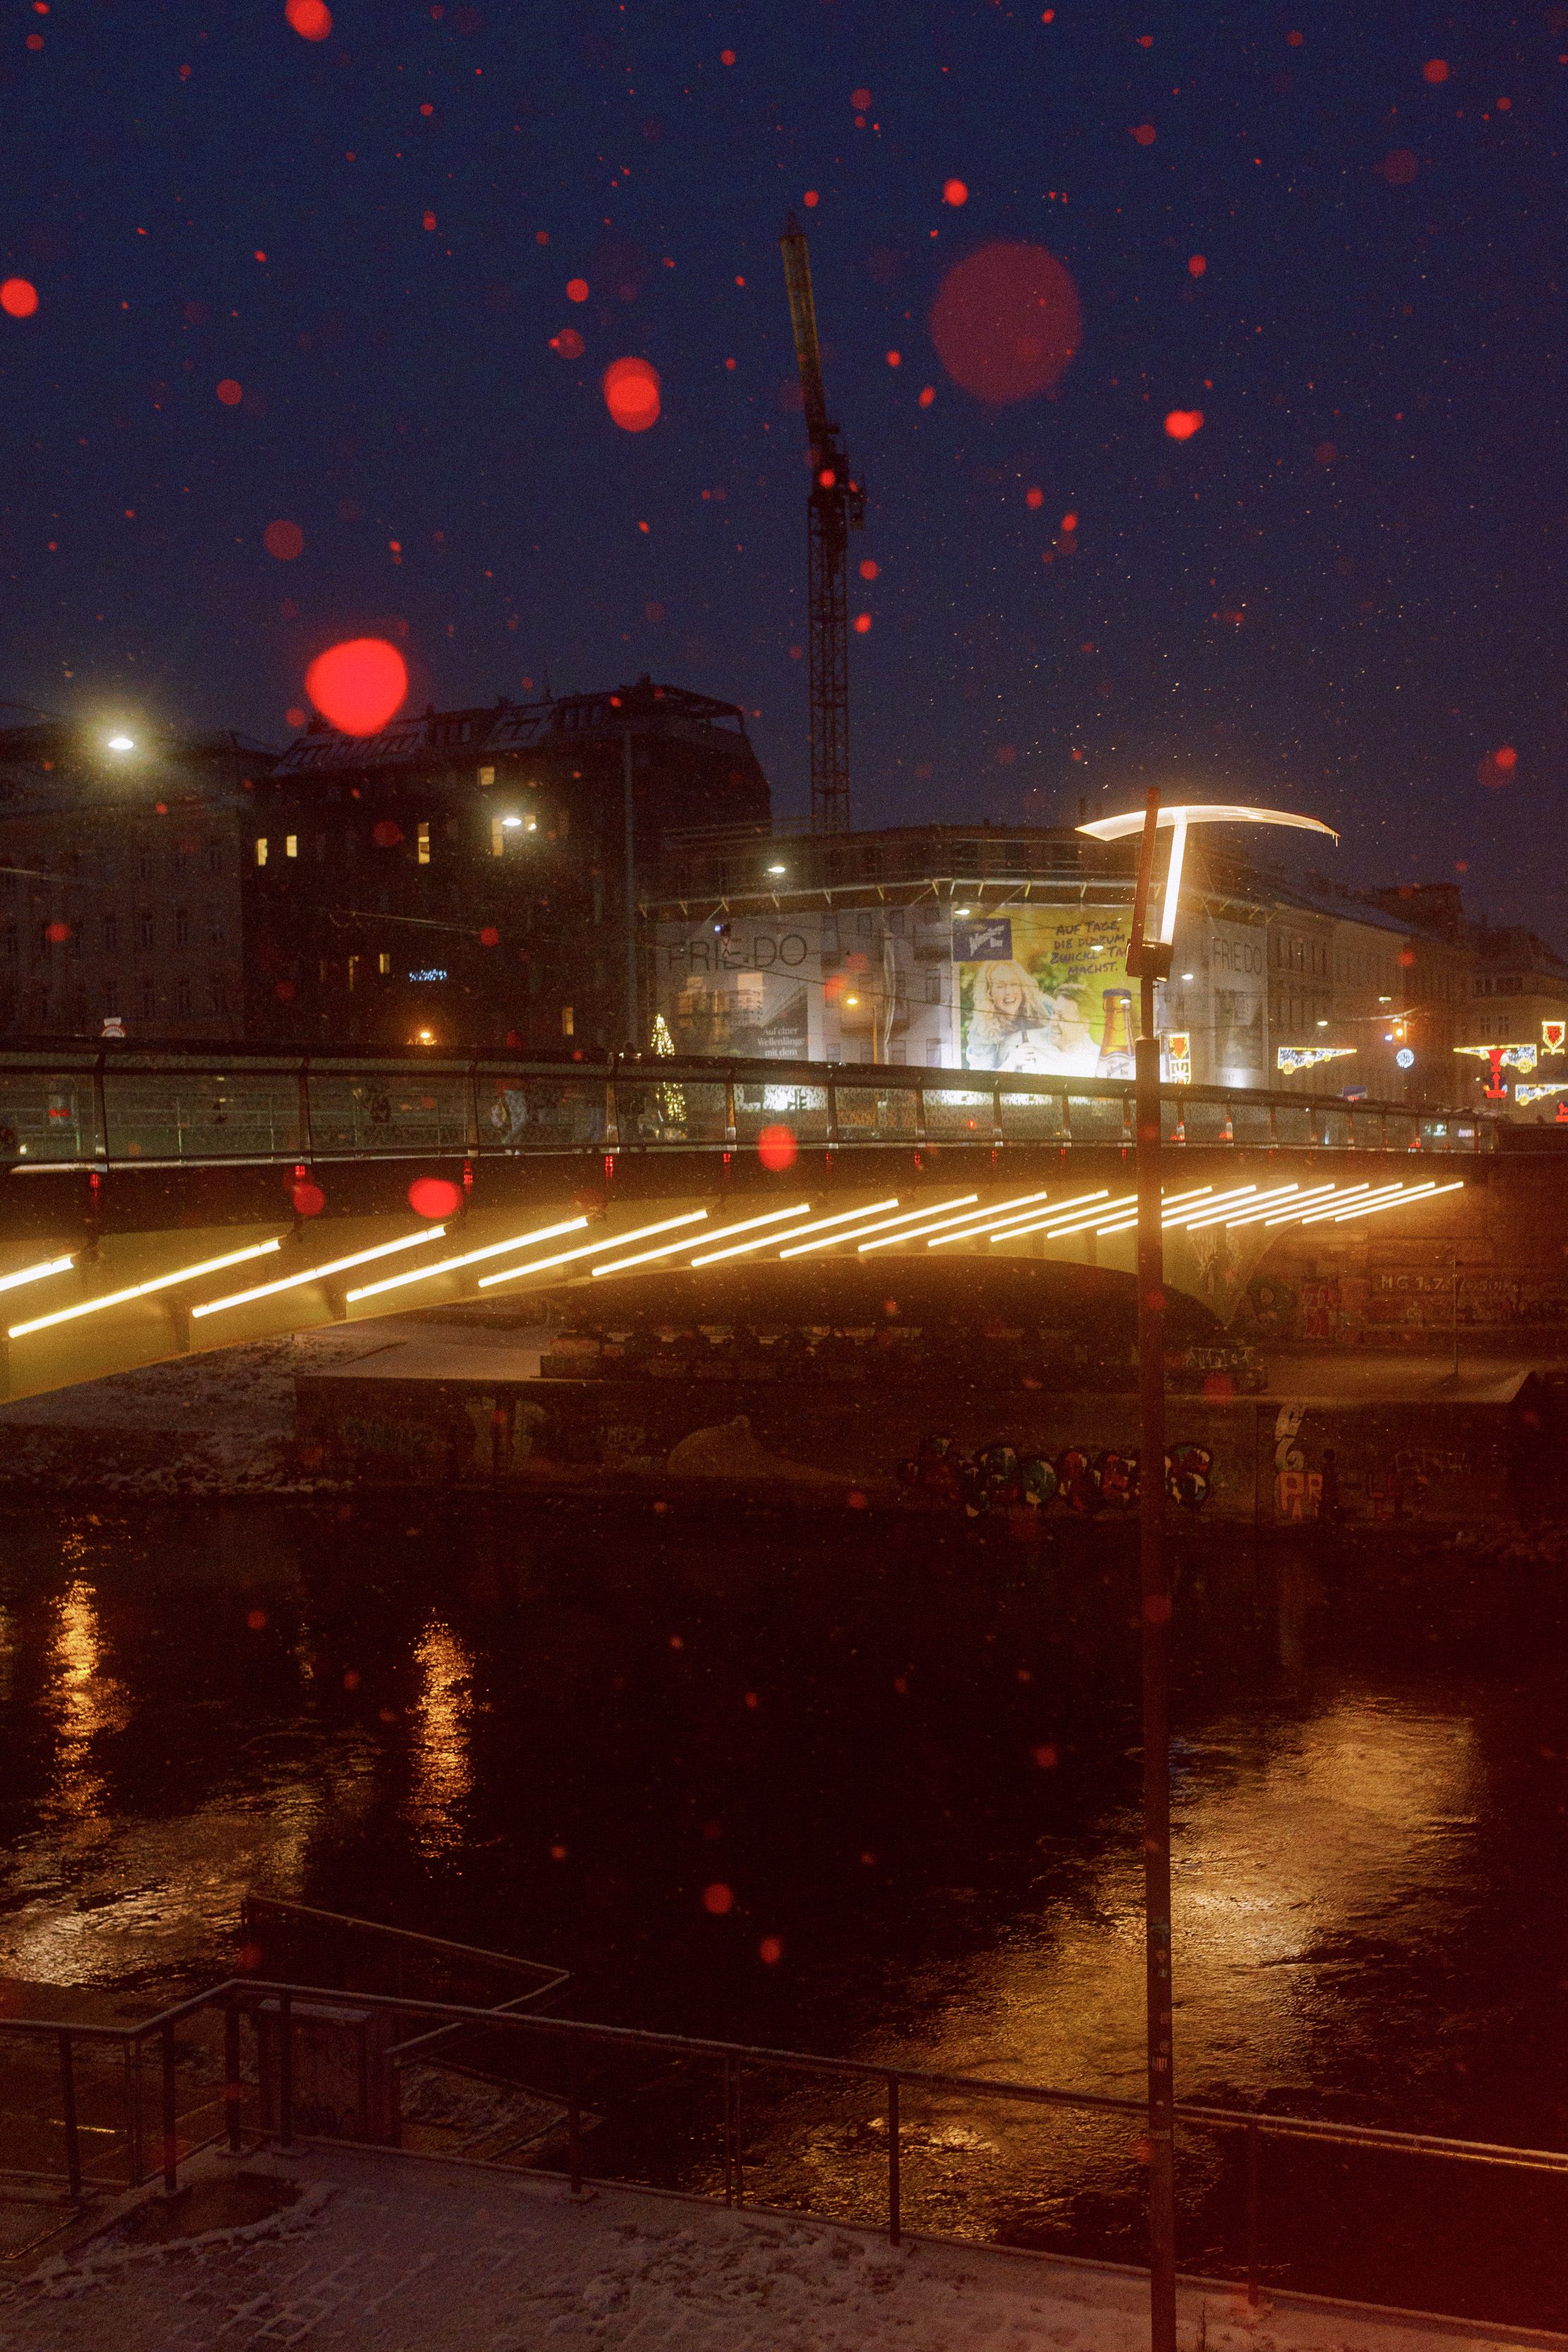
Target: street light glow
[{"x": 121, "y": 743}]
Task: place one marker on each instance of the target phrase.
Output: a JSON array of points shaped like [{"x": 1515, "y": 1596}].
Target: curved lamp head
[{"x": 1179, "y": 815}]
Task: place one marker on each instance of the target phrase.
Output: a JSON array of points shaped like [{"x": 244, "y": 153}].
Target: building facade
[{"x": 469, "y": 878}]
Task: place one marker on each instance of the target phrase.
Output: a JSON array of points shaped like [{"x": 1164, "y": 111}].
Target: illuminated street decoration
[
  {"x": 1518, "y": 1055},
  {"x": 1307, "y": 1057},
  {"x": 1177, "y": 1048},
  {"x": 468, "y": 1257},
  {"x": 319, "y": 1273},
  {"x": 1180, "y": 816},
  {"x": 145, "y": 1290},
  {"x": 1539, "y": 1094},
  {"x": 1552, "y": 1035}
]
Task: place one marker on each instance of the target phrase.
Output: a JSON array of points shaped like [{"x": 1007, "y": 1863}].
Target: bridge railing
[{"x": 79, "y": 1108}]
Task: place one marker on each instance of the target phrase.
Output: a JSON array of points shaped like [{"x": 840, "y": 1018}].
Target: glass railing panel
[
  {"x": 959, "y": 1115},
  {"x": 668, "y": 1110},
  {"x": 524, "y": 1112},
  {"x": 375, "y": 1111},
  {"x": 47, "y": 1116},
  {"x": 194, "y": 1113},
  {"x": 871, "y": 1114},
  {"x": 1029, "y": 1116},
  {"x": 765, "y": 1102}
]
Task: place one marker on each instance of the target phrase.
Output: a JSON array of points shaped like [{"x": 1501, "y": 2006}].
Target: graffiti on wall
[{"x": 1000, "y": 1476}]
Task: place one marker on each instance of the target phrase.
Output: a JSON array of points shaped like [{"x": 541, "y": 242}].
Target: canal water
[{"x": 863, "y": 1787}]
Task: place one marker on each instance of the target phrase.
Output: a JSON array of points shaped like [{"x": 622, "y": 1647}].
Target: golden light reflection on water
[
  {"x": 442, "y": 1769},
  {"x": 88, "y": 1701},
  {"x": 1355, "y": 1825}
]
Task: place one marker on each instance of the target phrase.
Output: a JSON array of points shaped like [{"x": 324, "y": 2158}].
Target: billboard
[{"x": 1044, "y": 990}]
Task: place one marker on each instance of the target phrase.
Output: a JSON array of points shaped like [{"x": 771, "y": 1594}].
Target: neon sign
[
  {"x": 434, "y": 972},
  {"x": 1307, "y": 1057}
]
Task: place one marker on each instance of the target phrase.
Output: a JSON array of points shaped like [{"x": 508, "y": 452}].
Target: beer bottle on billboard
[{"x": 1116, "y": 1058}]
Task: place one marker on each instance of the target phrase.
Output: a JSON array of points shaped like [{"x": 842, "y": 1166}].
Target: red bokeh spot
[
  {"x": 718, "y": 1899},
  {"x": 387, "y": 832},
  {"x": 776, "y": 1148},
  {"x": 862, "y": 624},
  {"x": 631, "y": 395},
  {"x": 811, "y": 197},
  {"x": 1196, "y": 265},
  {"x": 359, "y": 684},
  {"x": 954, "y": 192},
  {"x": 1006, "y": 322},
  {"x": 1181, "y": 424},
  {"x": 869, "y": 569},
  {"x": 928, "y": 393},
  {"x": 577, "y": 289},
  {"x": 569, "y": 343},
  {"x": 1399, "y": 167},
  {"x": 283, "y": 539},
  {"x": 18, "y": 298},
  {"x": 1045, "y": 1758},
  {"x": 726, "y": 57},
  {"x": 1325, "y": 452},
  {"x": 427, "y": 220},
  {"x": 311, "y": 19},
  {"x": 230, "y": 392},
  {"x": 489, "y": 937},
  {"x": 1498, "y": 767},
  {"x": 1069, "y": 524},
  {"x": 895, "y": 359},
  {"x": 255, "y": 1619},
  {"x": 58, "y": 934},
  {"x": 1434, "y": 69},
  {"x": 1145, "y": 133},
  {"x": 771, "y": 1950},
  {"x": 1034, "y": 498},
  {"x": 294, "y": 715},
  {"x": 854, "y": 1500},
  {"x": 432, "y": 1196},
  {"x": 859, "y": 99},
  {"x": 308, "y": 1200}
]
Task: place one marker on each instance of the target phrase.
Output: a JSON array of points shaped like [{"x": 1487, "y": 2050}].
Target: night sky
[{"x": 1345, "y": 590}]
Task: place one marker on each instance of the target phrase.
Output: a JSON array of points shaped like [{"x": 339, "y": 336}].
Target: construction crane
[{"x": 836, "y": 505}]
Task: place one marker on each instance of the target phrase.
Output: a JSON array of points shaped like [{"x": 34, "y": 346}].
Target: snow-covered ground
[{"x": 384, "y": 2253}]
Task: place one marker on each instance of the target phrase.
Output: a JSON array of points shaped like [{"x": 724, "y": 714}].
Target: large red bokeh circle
[
  {"x": 1007, "y": 322},
  {"x": 359, "y": 684},
  {"x": 776, "y": 1148},
  {"x": 632, "y": 393},
  {"x": 432, "y": 1196}
]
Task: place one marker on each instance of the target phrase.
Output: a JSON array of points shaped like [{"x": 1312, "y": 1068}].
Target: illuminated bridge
[{"x": 161, "y": 1202}]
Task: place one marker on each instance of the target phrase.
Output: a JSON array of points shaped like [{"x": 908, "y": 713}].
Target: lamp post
[{"x": 1149, "y": 962}]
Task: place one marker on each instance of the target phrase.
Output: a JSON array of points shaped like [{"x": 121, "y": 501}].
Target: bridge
[{"x": 161, "y": 1202}]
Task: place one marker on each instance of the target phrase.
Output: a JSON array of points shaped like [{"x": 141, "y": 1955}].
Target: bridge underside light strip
[
  {"x": 1348, "y": 1206},
  {"x": 1339, "y": 1198},
  {"x": 977, "y": 1226},
  {"x": 766, "y": 1241},
  {"x": 1417, "y": 1196},
  {"x": 972, "y": 1220},
  {"x": 469, "y": 1257},
  {"x": 36, "y": 1272},
  {"x": 319, "y": 1273},
  {"x": 1185, "y": 1208},
  {"x": 884, "y": 1225},
  {"x": 1268, "y": 1206},
  {"x": 145, "y": 1290},
  {"x": 720, "y": 1232},
  {"x": 1078, "y": 1222},
  {"x": 593, "y": 1249}
]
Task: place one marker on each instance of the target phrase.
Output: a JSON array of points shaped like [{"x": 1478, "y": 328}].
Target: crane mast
[{"x": 835, "y": 507}]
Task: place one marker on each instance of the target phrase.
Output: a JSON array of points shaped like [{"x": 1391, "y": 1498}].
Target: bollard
[
  {"x": 285, "y": 2070},
  {"x": 1254, "y": 2140},
  {"x": 233, "y": 2089},
  {"x": 575, "y": 2116}
]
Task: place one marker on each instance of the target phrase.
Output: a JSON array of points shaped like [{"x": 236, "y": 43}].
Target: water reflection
[
  {"x": 88, "y": 1701},
  {"x": 442, "y": 1774}
]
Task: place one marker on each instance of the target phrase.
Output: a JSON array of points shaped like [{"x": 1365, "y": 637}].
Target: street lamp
[{"x": 1149, "y": 962}]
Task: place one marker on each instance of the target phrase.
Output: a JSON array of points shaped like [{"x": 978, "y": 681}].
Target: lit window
[
  {"x": 568, "y": 1025},
  {"x": 353, "y": 973},
  {"x": 487, "y": 775},
  {"x": 261, "y": 849},
  {"x": 498, "y": 838},
  {"x": 291, "y": 844},
  {"x": 424, "y": 836},
  {"x": 384, "y": 963}
]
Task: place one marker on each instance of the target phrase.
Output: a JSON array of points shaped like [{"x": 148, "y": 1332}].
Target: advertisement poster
[{"x": 1044, "y": 990}]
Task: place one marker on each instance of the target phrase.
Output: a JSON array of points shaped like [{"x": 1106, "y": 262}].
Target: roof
[{"x": 503, "y": 727}]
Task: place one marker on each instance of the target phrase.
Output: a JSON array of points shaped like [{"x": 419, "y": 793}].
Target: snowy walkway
[{"x": 389, "y": 2254}]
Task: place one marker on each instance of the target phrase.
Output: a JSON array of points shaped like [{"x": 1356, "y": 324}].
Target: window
[
  {"x": 934, "y": 988},
  {"x": 11, "y": 939},
  {"x": 487, "y": 775},
  {"x": 423, "y": 840},
  {"x": 568, "y": 1023},
  {"x": 384, "y": 963},
  {"x": 215, "y": 857},
  {"x": 498, "y": 838},
  {"x": 215, "y": 931},
  {"x": 144, "y": 861},
  {"x": 149, "y": 998},
  {"x": 261, "y": 849},
  {"x": 353, "y": 973},
  {"x": 182, "y": 994},
  {"x": 145, "y": 930},
  {"x": 110, "y": 933},
  {"x": 182, "y": 927},
  {"x": 291, "y": 844},
  {"x": 214, "y": 992},
  {"x": 321, "y": 849}
]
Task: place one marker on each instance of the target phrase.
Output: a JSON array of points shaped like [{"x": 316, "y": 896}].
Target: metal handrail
[{"x": 236, "y": 1995}]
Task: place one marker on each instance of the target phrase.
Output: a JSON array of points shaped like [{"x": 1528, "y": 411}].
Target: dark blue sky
[{"x": 1346, "y": 590}]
